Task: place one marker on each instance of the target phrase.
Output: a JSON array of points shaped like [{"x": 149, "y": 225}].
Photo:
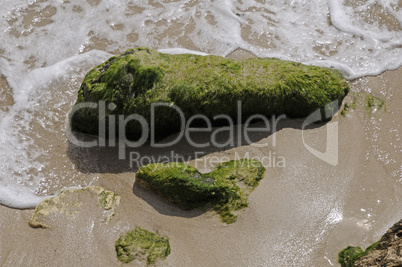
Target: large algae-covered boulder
[
  {"x": 226, "y": 188},
  {"x": 207, "y": 85},
  {"x": 142, "y": 245},
  {"x": 72, "y": 202},
  {"x": 386, "y": 252}
]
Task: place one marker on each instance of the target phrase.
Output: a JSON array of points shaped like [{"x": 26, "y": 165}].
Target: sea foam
[
  {"x": 48, "y": 46},
  {"x": 33, "y": 127}
]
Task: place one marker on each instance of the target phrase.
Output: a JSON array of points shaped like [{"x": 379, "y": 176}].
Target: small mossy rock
[
  {"x": 207, "y": 85},
  {"x": 141, "y": 245},
  {"x": 364, "y": 100},
  {"x": 226, "y": 188},
  {"x": 386, "y": 252},
  {"x": 69, "y": 201},
  {"x": 374, "y": 103},
  {"x": 349, "y": 255}
]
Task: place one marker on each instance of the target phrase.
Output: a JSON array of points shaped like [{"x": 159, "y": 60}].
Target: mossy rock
[
  {"x": 369, "y": 102},
  {"x": 70, "y": 201},
  {"x": 226, "y": 188},
  {"x": 141, "y": 245},
  {"x": 349, "y": 255},
  {"x": 374, "y": 103},
  {"x": 207, "y": 85},
  {"x": 348, "y": 107}
]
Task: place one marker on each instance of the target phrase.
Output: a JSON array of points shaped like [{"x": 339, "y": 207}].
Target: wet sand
[{"x": 301, "y": 214}]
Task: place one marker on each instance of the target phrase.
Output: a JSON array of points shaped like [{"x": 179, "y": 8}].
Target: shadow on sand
[
  {"x": 106, "y": 159},
  {"x": 120, "y": 158}
]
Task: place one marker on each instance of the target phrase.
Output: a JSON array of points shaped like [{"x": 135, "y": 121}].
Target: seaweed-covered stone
[
  {"x": 69, "y": 203},
  {"x": 207, "y": 85},
  {"x": 226, "y": 188},
  {"x": 349, "y": 255},
  {"x": 386, "y": 252},
  {"x": 141, "y": 244}
]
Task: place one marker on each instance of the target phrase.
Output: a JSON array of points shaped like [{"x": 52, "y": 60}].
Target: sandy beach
[
  {"x": 286, "y": 210},
  {"x": 302, "y": 213}
]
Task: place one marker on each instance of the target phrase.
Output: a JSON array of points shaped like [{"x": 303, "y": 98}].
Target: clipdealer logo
[{"x": 330, "y": 155}]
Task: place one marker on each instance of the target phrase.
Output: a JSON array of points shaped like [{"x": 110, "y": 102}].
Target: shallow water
[{"x": 48, "y": 47}]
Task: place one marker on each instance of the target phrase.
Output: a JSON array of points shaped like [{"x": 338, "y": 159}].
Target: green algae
[
  {"x": 107, "y": 199},
  {"x": 349, "y": 255},
  {"x": 367, "y": 101},
  {"x": 374, "y": 103},
  {"x": 141, "y": 244},
  {"x": 348, "y": 107},
  {"x": 208, "y": 85},
  {"x": 226, "y": 188}
]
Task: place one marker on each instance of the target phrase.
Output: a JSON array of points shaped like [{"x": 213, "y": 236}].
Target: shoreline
[{"x": 290, "y": 206}]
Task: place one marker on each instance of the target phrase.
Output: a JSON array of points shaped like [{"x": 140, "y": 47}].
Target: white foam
[
  {"x": 342, "y": 18},
  {"x": 22, "y": 166},
  {"x": 295, "y": 30},
  {"x": 19, "y": 197},
  {"x": 39, "y": 34},
  {"x": 181, "y": 51}
]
